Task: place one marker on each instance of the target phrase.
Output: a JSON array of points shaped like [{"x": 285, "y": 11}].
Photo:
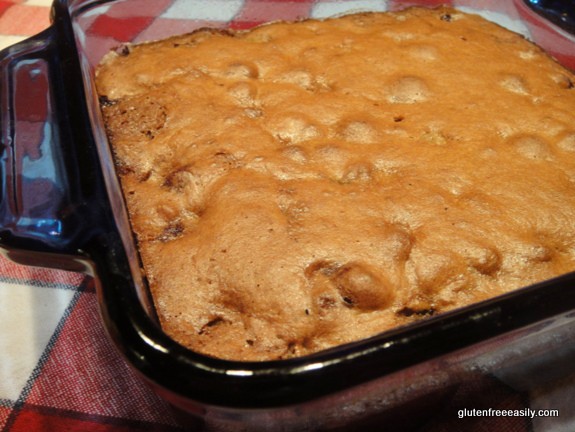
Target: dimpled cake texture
[{"x": 303, "y": 185}]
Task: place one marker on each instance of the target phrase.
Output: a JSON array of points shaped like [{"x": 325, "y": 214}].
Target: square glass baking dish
[{"x": 62, "y": 207}]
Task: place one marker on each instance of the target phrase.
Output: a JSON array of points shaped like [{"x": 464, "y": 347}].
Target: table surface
[{"x": 59, "y": 371}]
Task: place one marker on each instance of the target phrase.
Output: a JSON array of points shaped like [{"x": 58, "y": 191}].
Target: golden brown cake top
[{"x": 303, "y": 185}]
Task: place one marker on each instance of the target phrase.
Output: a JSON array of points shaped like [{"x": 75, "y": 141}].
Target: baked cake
[{"x": 302, "y": 185}]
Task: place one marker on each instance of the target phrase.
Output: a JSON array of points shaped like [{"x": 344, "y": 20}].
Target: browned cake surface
[{"x": 303, "y": 185}]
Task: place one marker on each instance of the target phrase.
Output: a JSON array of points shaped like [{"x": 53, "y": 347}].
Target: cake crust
[{"x": 303, "y": 185}]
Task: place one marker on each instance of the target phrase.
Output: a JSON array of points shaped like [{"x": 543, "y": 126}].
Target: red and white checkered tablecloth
[
  {"x": 22, "y": 18},
  {"x": 60, "y": 372}
]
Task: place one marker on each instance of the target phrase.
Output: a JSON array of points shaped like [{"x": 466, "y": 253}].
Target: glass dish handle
[{"x": 42, "y": 209}]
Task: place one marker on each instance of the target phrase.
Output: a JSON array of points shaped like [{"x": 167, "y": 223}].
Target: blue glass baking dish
[{"x": 61, "y": 206}]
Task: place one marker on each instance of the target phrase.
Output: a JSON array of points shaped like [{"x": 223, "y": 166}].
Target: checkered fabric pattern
[
  {"x": 22, "y": 18},
  {"x": 58, "y": 369}
]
